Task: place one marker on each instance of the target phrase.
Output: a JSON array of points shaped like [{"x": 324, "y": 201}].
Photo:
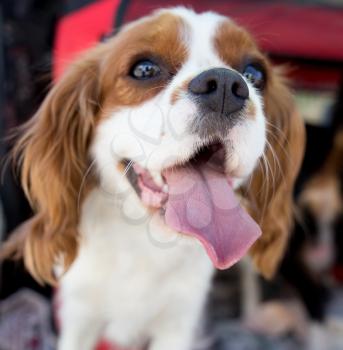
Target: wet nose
[{"x": 220, "y": 90}]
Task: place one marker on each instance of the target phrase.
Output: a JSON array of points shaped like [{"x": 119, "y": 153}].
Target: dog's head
[{"x": 182, "y": 108}]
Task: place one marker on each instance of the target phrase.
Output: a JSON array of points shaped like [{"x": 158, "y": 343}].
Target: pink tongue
[{"x": 202, "y": 204}]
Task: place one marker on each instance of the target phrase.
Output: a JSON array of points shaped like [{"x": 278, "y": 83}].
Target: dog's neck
[{"x": 126, "y": 225}]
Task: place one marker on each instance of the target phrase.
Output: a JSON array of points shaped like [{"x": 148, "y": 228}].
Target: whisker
[
  {"x": 264, "y": 188},
  {"x": 275, "y": 159},
  {"x": 267, "y": 172},
  {"x": 279, "y": 130},
  {"x": 127, "y": 168},
  {"x": 277, "y": 140},
  {"x": 270, "y": 171},
  {"x": 83, "y": 181}
]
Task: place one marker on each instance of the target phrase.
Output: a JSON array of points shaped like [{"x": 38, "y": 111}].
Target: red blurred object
[
  {"x": 107, "y": 346},
  {"x": 308, "y": 37},
  {"x": 81, "y": 29},
  {"x": 103, "y": 344},
  {"x": 282, "y": 28}
]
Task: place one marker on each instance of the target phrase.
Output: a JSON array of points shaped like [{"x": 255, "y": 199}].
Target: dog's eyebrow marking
[{"x": 232, "y": 43}]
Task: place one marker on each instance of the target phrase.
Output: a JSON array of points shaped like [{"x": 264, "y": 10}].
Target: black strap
[
  {"x": 120, "y": 15},
  {"x": 118, "y": 20},
  {"x": 74, "y": 5}
]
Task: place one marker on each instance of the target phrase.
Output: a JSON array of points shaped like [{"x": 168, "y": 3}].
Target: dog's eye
[
  {"x": 255, "y": 75},
  {"x": 144, "y": 70}
]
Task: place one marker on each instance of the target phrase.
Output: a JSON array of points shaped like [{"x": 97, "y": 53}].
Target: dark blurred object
[{"x": 27, "y": 30}]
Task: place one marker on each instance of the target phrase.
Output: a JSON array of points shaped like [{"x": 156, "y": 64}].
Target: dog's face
[
  {"x": 184, "y": 82},
  {"x": 175, "y": 101}
]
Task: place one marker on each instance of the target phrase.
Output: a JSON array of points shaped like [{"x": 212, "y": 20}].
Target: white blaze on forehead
[{"x": 198, "y": 33}]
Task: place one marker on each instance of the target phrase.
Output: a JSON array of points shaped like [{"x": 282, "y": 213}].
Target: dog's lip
[
  {"x": 151, "y": 194},
  {"x": 133, "y": 168}
]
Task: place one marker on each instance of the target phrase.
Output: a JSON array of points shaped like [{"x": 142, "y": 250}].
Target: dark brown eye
[
  {"x": 145, "y": 69},
  {"x": 254, "y": 75}
]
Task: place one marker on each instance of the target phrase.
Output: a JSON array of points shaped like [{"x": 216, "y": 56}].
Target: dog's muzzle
[{"x": 220, "y": 95}]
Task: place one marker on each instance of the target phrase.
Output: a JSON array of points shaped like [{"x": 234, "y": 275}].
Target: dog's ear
[
  {"x": 271, "y": 190},
  {"x": 53, "y": 157}
]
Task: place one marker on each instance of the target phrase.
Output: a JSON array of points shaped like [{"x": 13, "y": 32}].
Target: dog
[{"x": 167, "y": 151}]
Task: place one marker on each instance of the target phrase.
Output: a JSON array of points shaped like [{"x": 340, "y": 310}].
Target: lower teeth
[{"x": 157, "y": 177}]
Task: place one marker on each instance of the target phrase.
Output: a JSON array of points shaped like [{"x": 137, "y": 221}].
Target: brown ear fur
[
  {"x": 53, "y": 156},
  {"x": 271, "y": 197}
]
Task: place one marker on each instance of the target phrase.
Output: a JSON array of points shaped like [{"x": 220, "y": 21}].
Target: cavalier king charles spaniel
[{"x": 168, "y": 150}]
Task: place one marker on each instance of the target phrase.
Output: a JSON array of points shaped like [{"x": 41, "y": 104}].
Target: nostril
[
  {"x": 240, "y": 90},
  {"x": 211, "y": 86},
  {"x": 235, "y": 88}
]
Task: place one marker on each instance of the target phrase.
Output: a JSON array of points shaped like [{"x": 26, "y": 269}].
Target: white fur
[{"x": 135, "y": 280}]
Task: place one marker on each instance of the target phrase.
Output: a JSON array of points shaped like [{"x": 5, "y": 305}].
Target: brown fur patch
[
  {"x": 234, "y": 45},
  {"x": 272, "y": 196}
]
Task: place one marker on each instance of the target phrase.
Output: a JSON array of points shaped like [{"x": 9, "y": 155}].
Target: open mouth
[
  {"x": 153, "y": 191},
  {"x": 199, "y": 201}
]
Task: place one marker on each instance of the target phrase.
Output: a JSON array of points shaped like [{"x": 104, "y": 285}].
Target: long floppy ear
[
  {"x": 271, "y": 191},
  {"x": 53, "y": 154}
]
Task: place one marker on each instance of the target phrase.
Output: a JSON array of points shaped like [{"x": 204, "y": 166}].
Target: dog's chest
[{"x": 130, "y": 273}]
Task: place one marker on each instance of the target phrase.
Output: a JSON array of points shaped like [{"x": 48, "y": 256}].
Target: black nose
[{"x": 220, "y": 90}]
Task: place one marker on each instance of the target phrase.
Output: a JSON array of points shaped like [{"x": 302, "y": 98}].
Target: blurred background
[{"x": 302, "y": 307}]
